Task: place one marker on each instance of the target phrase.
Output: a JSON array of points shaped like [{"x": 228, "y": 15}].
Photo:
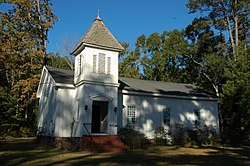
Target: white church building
[{"x": 93, "y": 100}]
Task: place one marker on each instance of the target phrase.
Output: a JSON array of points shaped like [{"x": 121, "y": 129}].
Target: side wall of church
[{"x": 151, "y": 112}]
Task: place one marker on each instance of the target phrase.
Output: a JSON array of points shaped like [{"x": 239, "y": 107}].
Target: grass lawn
[{"x": 24, "y": 151}]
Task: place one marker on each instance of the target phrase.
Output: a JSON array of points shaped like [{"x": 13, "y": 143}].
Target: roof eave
[
  {"x": 81, "y": 47},
  {"x": 132, "y": 92},
  {"x": 39, "y": 89},
  {"x": 63, "y": 85}
]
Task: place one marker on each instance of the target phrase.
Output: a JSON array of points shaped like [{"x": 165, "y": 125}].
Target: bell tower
[{"x": 96, "y": 56}]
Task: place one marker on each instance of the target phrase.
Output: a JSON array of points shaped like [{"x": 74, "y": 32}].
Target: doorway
[{"x": 99, "y": 117}]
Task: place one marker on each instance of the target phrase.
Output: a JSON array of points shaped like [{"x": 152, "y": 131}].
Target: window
[
  {"x": 78, "y": 111},
  {"x": 79, "y": 65},
  {"x": 94, "y": 63},
  {"x": 166, "y": 116},
  {"x": 101, "y": 64},
  {"x": 131, "y": 114},
  {"x": 109, "y": 66},
  {"x": 197, "y": 115}
]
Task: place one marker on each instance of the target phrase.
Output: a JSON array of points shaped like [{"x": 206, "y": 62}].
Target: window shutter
[
  {"x": 94, "y": 63},
  {"x": 109, "y": 66},
  {"x": 101, "y": 64},
  {"x": 78, "y": 69}
]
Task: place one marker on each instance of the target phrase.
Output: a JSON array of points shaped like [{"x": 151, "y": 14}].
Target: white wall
[
  {"x": 86, "y": 94},
  {"x": 87, "y": 66},
  {"x": 149, "y": 114},
  {"x": 65, "y": 111},
  {"x": 46, "y": 104}
]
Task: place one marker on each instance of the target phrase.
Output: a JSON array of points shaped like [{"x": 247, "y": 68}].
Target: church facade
[{"x": 93, "y": 100}]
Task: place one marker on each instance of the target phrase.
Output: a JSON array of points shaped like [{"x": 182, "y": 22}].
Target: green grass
[{"x": 24, "y": 151}]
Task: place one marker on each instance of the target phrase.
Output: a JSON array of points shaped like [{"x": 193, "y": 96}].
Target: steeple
[
  {"x": 98, "y": 36},
  {"x": 98, "y": 15}
]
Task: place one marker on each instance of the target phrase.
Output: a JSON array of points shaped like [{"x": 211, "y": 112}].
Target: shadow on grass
[{"x": 25, "y": 152}]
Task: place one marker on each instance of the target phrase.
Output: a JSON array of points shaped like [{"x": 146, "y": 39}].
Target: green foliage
[
  {"x": 58, "y": 62},
  {"x": 235, "y": 106},
  {"x": 200, "y": 135},
  {"x": 132, "y": 138},
  {"x": 203, "y": 135},
  {"x": 129, "y": 63},
  {"x": 23, "y": 36}
]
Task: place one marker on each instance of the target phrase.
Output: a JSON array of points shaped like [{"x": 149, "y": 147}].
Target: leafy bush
[
  {"x": 161, "y": 136},
  {"x": 179, "y": 134},
  {"x": 132, "y": 138},
  {"x": 204, "y": 135},
  {"x": 200, "y": 135},
  {"x": 26, "y": 132}
]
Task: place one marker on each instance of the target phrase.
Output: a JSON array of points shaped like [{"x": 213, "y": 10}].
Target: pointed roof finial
[{"x": 98, "y": 15}]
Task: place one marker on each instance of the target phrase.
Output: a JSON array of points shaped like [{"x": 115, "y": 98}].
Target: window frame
[
  {"x": 166, "y": 116},
  {"x": 131, "y": 114}
]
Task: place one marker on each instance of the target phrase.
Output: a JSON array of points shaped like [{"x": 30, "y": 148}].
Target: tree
[
  {"x": 230, "y": 15},
  {"x": 235, "y": 106},
  {"x": 229, "y": 68},
  {"x": 23, "y": 37},
  {"x": 207, "y": 54},
  {"x": 162, "y": 56},
  {"x": 129, "y": 63},
  {"x": 65, "y": 50}
]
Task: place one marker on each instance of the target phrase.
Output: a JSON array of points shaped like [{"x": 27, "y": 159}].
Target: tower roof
[{"x": 98, "y": 36}]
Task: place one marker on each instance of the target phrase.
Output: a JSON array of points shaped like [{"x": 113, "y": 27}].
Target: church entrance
[{"x": 99, "y": 117}]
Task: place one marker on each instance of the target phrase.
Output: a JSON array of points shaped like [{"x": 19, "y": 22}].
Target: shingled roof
[
  {"x": 98, "y": 36},
  {"x": 164, "y": 88},
  {"x": 137, "y": 85},
  {"x": 61, "y": 75}
]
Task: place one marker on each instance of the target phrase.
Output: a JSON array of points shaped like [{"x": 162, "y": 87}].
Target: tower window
[
  {"x": 101, "y": 64},
  {"x": 79, "y": 65},
  {"x": 109, "y": 66},
  {"x": 94, "y": 63}
]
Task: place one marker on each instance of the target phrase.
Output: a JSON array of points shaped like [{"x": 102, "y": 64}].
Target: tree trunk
[{"x": 235, "y": 19}]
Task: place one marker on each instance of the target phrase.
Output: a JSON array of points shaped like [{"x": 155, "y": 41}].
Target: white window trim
[{"x": 131, "y": 115}]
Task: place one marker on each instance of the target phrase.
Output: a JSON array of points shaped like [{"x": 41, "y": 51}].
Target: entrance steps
[{"x": 103, "y": 143}]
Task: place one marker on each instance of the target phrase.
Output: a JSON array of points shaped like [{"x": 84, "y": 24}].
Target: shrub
[
  {"x": 132, "y": 138},
  {"x": 26, "y": 132},
  {"x": 161, "y": 136},
  {"x": 204, "y": 135},
  {"x": 179, "y": 134}
]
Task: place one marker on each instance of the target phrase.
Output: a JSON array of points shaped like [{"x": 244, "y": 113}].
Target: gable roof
[
  {"x": 137, "y": 85},
  {"x": 163, "y": 88},
  {"x": 98, "y": 36},
  {"x": 61, "y": 75}
]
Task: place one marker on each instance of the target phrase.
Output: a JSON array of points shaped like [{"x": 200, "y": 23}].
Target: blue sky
[{"x": 127, "y": 20}]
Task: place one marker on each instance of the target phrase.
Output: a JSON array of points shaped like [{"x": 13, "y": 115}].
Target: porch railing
[{"x": 91, "y": 141}]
